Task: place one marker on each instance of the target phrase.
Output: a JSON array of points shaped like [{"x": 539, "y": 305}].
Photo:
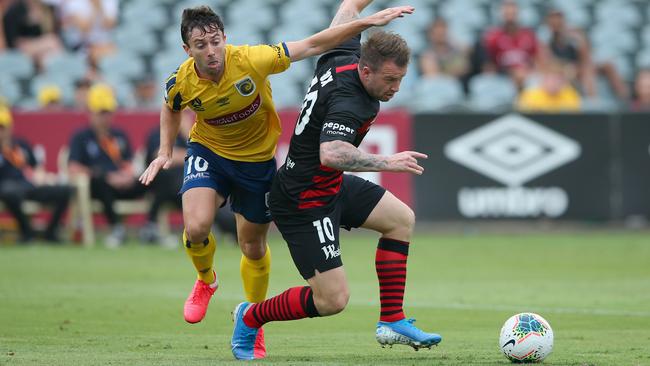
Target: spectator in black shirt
[
  {"x": 103, "y": 153},
  {"x": 19, "y": 173}
]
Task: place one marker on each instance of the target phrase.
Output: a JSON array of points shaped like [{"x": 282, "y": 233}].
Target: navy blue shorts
[{"x": 245, "y": 184}]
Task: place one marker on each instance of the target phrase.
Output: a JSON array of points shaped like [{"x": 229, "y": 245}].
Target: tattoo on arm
[
  {"x": 344, "y": 156},
  {"x": 344, "y": 16}
]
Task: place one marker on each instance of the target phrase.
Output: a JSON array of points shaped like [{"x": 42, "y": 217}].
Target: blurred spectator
[
  {"x": 554, "y": 93},
  {"x": 442, "y": 56},
  {"x": 641, "y": 102},
  {"x": 81, "y": 88},
  {"x": 103, "y": 154},
  {"x": 50, "y": 98},
  {"x": 168, "y": 181},
  {"x": 22, "y": 178},
  {"x": 147, "y": 94},
  {"x": 30, "y": 26},
  {"x": 511, "y": 48},
  {"x": 571, "y": 48},
  {"x": 87, "y": 25}
]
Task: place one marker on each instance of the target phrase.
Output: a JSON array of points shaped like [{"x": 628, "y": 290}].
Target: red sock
[
  {"x": 295, "y": 303},
  {"x": 390, "y": 262}
]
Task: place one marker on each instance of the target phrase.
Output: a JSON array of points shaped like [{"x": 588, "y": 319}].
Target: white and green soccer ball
[{"x": 526, "y": 337}]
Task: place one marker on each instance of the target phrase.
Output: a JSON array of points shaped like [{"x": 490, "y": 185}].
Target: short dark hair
[
  {"x": 384, "y": 46},
  {"x": 201, "y": 17}
]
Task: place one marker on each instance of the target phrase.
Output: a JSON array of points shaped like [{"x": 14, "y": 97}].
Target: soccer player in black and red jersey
[{"x": 311, "y": 197}]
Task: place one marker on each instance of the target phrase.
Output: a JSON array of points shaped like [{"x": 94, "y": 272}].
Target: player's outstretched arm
[
  {"x": 349, "y": 11},
  {"x": 170, "y": 123},
  {"x": 333, "y": 36},
  {"x": 344, "y": 156}
]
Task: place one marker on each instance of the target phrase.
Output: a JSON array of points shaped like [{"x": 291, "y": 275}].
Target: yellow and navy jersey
[{"x": 235, "y": 117}]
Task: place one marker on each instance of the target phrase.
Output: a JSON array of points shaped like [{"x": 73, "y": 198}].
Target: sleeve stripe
[
  {"x": 178, "y": 99},
  {"x": 286, "y": 50},
  {"x": 170, "y": 83}
]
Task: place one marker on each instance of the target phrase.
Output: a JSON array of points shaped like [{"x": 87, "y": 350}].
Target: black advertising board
[
  {"x": 635, "y": 164},
  {"x": 514, "y": 166}
]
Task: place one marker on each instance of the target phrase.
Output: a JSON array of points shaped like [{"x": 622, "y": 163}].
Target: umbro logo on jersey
[
  {"x": 197, "y": 105},
  {"x": 223, "y": 101},
  {"x": 245, "y": 86}
]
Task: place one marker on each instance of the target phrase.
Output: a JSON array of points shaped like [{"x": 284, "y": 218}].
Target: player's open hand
[
  {"x": 407, "y": 161},
  {"x": 387, "y": 15},
  {"x": 161, "y": 162}
]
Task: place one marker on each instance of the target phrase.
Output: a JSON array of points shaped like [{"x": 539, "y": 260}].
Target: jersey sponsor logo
[
  {"x": 237, "y": 116},
  {"x": 195, "y": 176},
  {"x": 245, "y": 86},
  {"x": 334, "y": 128},
  {"x": 331, "y": 251},
  {"x": 197, "y": 105}
]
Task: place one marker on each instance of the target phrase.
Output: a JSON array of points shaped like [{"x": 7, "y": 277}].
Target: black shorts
[{"x": 314, "y": 245}]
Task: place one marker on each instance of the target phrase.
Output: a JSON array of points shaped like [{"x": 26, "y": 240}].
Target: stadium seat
[
  {"x": 289, "y": 32},
  {"x": 286, "y": 94},
  {"x": 465, "y": 12},
  {"x": 68, "y": 64},
  {"x": 10, "y": 90},
  {"x": 136, "y": 39},
  {"x": 144, "y": 13},
  {"x": 243, "y": 34},
  {"x": 16, "y": 64},
  {"x": 306, "y": 13},
  {"x": 490, "y": 91},
  {"x": 620, "y": 12},
  {"x": 166, "y": 62},
  {"x": 645, "y": 36},
  {"x": 122, "y": 64},
  {"x": 613, "y": 35},
  {"x": 251, "y": 13},
  {"x": 437, "y": 94},
  {"x": 643, "y": 59}
]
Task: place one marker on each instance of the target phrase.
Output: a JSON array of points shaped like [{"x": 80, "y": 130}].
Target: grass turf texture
[{"x": 71, "y": 306}]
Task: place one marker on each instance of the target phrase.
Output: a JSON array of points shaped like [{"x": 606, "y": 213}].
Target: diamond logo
[{"x": 512, "y": 150}]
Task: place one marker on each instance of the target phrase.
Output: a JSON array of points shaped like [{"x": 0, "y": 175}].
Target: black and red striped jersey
[{"x": 336, "y": 107}]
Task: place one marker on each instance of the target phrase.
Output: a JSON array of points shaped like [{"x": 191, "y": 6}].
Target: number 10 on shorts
[{"x": 324, "y": 228}]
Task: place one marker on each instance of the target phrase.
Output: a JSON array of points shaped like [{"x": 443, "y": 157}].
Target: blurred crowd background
[{"x": 468, "y": 55}]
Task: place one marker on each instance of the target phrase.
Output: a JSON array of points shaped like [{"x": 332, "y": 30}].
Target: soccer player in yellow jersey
[{"x": 232, "y": 142}]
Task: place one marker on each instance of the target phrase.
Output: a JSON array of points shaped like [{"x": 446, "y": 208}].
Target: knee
[
  {"x": 403, "y": 224},
  {"x": 333, "y": 303},
  {"x": 197, "y": 230},
  {"x": 253, "y": 248}
]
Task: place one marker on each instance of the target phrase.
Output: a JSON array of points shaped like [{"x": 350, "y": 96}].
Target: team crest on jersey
[
  {"x": 197, "y": 104},
  {"x": 245, "y": 86}
]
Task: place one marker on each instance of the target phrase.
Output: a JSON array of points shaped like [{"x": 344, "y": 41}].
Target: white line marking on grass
[{"x": 536, "y": 309}]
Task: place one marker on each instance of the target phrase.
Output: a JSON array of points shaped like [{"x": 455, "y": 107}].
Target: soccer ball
[{"x": 526, "y": 337}]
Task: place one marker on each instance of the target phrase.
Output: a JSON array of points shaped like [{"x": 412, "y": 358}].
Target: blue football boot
[
  {"x": 404, "y": 332},
  {"x": 243, "y": 336}
]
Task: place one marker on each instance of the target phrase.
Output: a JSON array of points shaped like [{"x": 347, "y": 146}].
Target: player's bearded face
[
  {"x": 383, "y": 83},
  {"x": 208, "y": 48}
]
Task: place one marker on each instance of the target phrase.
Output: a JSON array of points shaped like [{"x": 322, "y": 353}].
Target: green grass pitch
[{"x": 72, "y": 306}]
